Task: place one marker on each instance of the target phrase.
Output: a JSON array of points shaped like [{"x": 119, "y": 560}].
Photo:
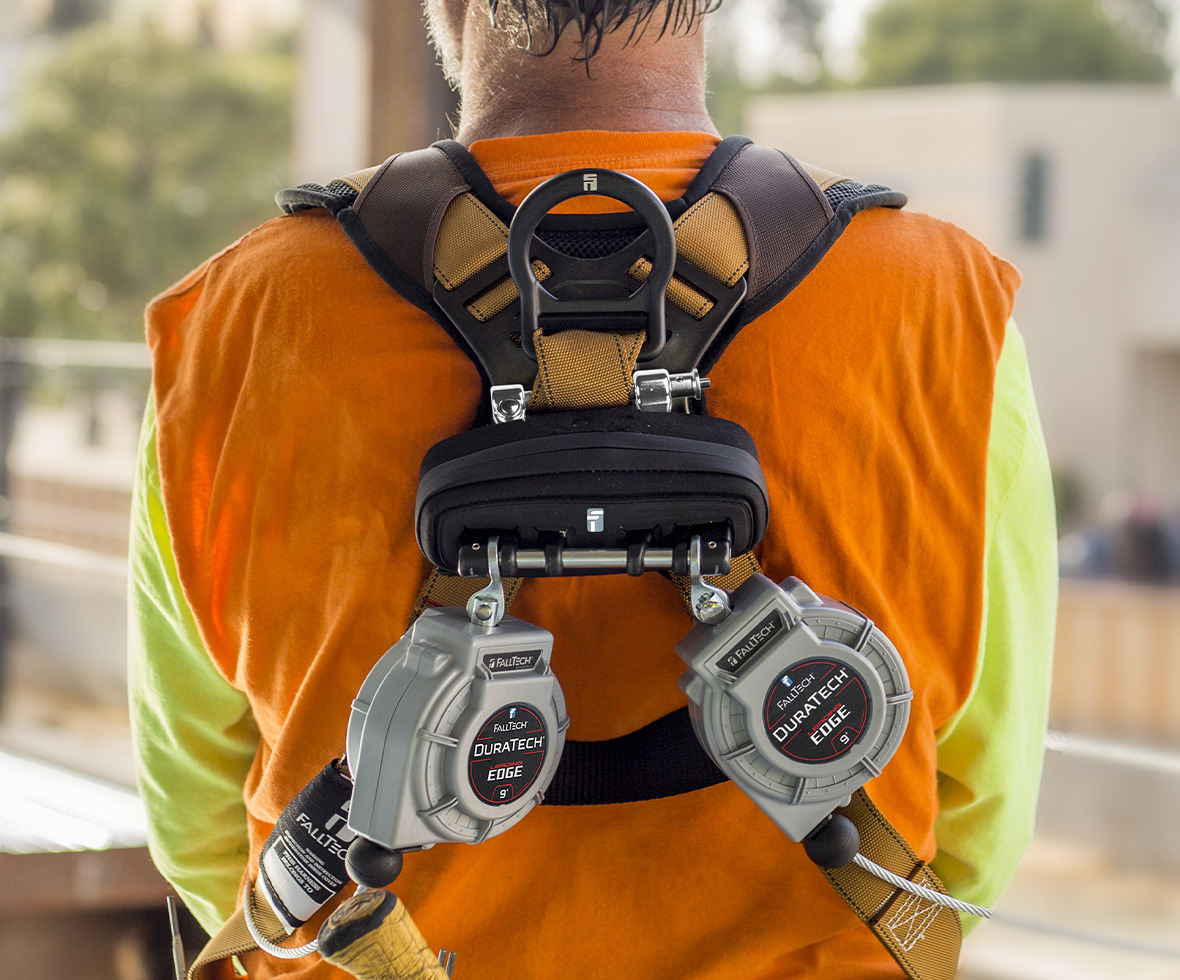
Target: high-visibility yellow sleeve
[
  {"x": 193, "y": 733},
  {"x": 990, "y": 754}
]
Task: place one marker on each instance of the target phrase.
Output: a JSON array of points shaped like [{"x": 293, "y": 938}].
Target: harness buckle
[{"x": 509, "y": 403}]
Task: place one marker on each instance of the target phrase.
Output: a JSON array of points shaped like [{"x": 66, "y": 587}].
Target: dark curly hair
[{"x": 594, "y": 19}]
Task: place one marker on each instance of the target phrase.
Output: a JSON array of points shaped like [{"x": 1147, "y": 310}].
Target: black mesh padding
[
  {"x": 335, "y": 196},
  {"x": 846, "y": 190},
  {"x": 341, "y": 188},
  {"x": 589, "y": 244}
]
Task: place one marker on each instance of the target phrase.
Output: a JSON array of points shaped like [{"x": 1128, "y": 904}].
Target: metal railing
[
  {"x": 55, "y": 353},
  {"x": 61, "y": 555},
  {"x": 88, "y": 364}
]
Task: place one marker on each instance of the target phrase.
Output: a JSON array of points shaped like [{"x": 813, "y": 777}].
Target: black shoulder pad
[{"x": 792, "y": 214}]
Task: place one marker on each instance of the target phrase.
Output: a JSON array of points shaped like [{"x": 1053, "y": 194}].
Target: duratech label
[
  {"x": 753, "y": 641},
  {"x": 507, "y": 754},
  {"x": 817, "y": 710},
  {"x": 499, "y": 663}
]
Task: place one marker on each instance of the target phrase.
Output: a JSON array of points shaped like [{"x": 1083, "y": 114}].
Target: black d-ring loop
[{"x": 536, "y": 300}]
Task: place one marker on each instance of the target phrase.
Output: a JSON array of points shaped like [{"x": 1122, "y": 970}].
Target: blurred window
[{"x": 1034, "y": 197}]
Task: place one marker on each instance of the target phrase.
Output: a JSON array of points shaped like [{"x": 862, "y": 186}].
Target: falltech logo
[
  {"x": 752, "y": 642},
  {"x": 589, "y": 182}
]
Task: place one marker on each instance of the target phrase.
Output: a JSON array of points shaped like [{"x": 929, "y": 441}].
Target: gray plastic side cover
[
  {"x": 799, "y": 699},
  {"x": 456, "y": 732}
]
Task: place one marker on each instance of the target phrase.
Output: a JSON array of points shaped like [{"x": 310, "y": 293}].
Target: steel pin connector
[{"x": 655, "y": 390}]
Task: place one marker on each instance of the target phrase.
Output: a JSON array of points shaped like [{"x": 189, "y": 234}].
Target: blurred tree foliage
[
  {"x": 133, "y": 158},
  {"x": 917, "y": 42},
  {"x": 66, "y": 15}
]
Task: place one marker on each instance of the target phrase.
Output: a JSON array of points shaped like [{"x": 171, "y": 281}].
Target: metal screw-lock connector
[
  {"x": 655, "y": 390},
  {"x": 509, "y": 403}
]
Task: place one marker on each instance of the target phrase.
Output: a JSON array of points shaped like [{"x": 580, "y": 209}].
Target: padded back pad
[{"x": 545, "y": 478}]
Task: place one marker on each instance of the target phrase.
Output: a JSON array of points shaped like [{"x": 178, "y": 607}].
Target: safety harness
[{"x": 593, "y": 392}]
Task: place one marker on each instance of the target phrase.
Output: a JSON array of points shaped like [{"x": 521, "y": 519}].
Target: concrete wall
[
  {"x": 1098, "y": 304},
  {"x": 333, "y": 98},
  {"x": 369, "y": 86}
]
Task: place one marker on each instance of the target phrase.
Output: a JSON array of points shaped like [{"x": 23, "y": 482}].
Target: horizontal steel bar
[{"x": 534, "y": 559}]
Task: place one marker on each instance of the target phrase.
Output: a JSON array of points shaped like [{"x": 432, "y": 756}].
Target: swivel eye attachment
[
  {"x": 486, "y": 608},
  {"x": 709, "y": 604}
]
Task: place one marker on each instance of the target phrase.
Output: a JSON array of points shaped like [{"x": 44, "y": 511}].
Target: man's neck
[{"x": 648, "y": 86}]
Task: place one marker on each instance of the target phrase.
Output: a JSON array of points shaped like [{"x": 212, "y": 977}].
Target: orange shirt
[{"x": 296, "y": 395}]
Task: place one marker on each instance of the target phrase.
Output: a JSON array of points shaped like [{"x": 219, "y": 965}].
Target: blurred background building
[
  {"x": 139, "y": 136},
  {"x": 1079, "y": 186}
]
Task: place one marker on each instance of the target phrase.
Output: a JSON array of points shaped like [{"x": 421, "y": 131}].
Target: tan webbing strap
[
  {"x": 451, "y": 590},
  {"x": 471, "y": 237},
  {"x": 922, "y": 936},
  {"x": 691, "y": 300},
  {"x": 711, "y": 237},
  {"x": 234, "y": 938},
  {"x": 497, "y": 298},
  {"x": 740, "y": 569},
  {"x": 584, "y": 369}
]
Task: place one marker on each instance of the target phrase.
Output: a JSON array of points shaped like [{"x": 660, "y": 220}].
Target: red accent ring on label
[
  {"x": 507, "y": 754},
  {"x": 817, "y": 710}
]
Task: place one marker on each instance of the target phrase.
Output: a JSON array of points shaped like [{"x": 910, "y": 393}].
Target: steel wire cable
[{"x": 920, "y": 890}]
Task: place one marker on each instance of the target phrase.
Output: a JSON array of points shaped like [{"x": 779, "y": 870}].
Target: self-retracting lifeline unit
[{"x": 594, "y": 456}]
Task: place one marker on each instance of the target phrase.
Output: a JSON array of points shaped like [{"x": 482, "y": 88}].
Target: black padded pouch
[{"x": 544, "y": 480}]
